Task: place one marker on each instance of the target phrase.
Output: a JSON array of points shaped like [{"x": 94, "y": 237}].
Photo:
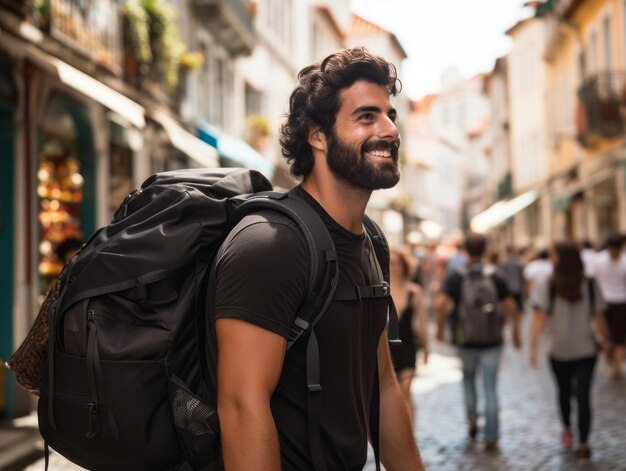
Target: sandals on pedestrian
[{"x": 567, "y": 439}]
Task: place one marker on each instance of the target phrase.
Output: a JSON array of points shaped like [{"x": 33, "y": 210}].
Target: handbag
[{"x": 29, "y": 360}]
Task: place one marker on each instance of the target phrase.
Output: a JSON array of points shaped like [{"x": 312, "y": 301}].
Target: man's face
[{"x": 363, "y": 146}]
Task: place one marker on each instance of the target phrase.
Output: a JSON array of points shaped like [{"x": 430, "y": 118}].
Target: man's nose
[{"x": 389, "y": 130}]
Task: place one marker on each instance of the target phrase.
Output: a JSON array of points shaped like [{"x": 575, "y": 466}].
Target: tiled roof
[{"x": 359, "y": 26}]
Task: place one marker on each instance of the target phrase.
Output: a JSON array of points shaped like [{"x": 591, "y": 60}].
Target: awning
[
  {"x": 96, "y": 90},
  {"x": 79, "y": 81},
  {"x": 561, "y": 201},
  {"x": 186, "y": 142},
  {"x": 236, "y": 150},
  {"x": 501, "y": 211}
]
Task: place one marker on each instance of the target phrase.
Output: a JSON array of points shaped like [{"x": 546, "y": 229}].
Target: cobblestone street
[{"x": 529, "y": 424}]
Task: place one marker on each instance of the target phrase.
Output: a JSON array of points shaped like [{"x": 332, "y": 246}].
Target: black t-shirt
[
  {"x": 262, "y": 276},
  {"x": 452, "y": 288}
]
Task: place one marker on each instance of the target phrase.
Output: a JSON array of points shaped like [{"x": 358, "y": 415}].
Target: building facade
[
  {"x": 92, "y": 101},
  {"x": 566, "y": 119}
]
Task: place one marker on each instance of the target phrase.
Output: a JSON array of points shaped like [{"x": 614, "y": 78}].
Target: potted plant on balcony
[
  {"x": 137, "y": 52},
  {"x": 165, "y": 43},
  {"x": 39, "y": 13}
]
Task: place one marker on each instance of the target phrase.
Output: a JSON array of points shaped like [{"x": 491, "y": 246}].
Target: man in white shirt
[
  {"x": 588, "y": 255},
  {"x": 535, "y": 272},
  {"x": 610, "y": 273}
]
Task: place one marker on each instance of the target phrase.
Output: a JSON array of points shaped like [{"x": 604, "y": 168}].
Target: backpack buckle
[{"x": 381, "y": 291}]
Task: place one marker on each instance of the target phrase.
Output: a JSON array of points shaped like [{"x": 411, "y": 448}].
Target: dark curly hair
[{"x": 315, "y": 101}]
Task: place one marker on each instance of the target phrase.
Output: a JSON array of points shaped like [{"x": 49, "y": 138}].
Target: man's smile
[{"x": 380, "y": 153}]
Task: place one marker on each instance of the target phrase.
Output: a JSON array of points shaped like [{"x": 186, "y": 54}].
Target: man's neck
[{"x": 345, "y": 204}]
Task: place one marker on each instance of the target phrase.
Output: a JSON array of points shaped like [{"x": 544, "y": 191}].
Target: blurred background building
[
  {"x": 95, "y": 95},
  {"x": 565, "y": 125}
]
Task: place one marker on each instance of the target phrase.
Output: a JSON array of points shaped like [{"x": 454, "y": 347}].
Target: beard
[{"x": 352, "y": 166}]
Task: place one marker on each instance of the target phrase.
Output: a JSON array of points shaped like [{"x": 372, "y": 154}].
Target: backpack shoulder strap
[
  {"x": 322, "y": 254},
  {"x": 322, "y": 288},
  {"x": 381, "y": 249},
  {"x": 379, "y": 241}
]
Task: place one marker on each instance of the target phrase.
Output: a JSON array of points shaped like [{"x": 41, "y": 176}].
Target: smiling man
[{"x": 341, "y": 139}]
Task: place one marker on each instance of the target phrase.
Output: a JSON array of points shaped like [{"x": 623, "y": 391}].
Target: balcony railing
[
  {"x": 231, "y": 21},
  {"x": 601, "y": 99},
  {"x": 92, "y": 27},
  {"x": 23, "y": 8}
]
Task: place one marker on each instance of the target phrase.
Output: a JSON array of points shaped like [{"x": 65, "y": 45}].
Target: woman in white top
[{"x": 572, "y": 303}]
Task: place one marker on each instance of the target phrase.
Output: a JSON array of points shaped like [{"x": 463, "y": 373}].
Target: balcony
[
  {"x": 231, "y": 22},
  {"x": 599, "y": 114},
  {"x": 21, "y": 8},
  {"x": 92, "y": 27}
]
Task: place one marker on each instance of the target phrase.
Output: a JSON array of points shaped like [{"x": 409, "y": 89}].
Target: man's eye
[
  {"x": 392, "y": 117},
  {"x": 367, "y": 116}
]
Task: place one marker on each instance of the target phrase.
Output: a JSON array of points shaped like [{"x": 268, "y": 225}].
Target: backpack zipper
[{"x": 92, "y": 346}]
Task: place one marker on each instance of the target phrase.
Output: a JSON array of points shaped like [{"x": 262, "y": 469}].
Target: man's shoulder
[
  {"x": 262, "y": 231},
  {"x": 452, "y": 281}
]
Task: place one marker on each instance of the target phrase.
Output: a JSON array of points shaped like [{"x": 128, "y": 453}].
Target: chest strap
[{"x": 352, "y": 293}]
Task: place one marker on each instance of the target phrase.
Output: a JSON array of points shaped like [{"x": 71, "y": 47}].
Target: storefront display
[{"x": 60, "y": 191}]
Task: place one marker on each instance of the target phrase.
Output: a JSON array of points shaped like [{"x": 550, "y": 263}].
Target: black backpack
[
  {"x": 481, "y": 319},
  {"x": 125, "y": 385}
]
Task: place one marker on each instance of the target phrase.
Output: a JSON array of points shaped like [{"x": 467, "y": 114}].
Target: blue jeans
[{"x": 488, "y": 360}]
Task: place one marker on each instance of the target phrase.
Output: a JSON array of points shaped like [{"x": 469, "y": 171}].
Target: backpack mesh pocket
[{"x": 197, "y": 427}]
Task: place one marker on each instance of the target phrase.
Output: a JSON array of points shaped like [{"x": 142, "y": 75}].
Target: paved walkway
[
  {"x": 529, "y": 423},
  {"x": 530, "y": 429}
]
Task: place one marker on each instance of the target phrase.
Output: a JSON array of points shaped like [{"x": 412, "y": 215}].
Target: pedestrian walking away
[
  {"x": 480, "y": 305},
  {"x": 413, "y": 328},
  {"x": 572, "y": 305},
  {"x": 341, "y": 139},
  {"x": 609, "y": 270},
  {"x": 513, "y": 271}
]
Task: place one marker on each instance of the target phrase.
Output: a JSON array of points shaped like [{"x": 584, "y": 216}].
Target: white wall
[{"x": 526, "y": 72}]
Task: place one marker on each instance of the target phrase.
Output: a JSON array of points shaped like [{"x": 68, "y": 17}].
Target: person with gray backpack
[{"x": 477, "y": 305}]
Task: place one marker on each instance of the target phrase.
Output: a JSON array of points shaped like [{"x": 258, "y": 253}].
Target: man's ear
[{"x": 317, "y": 139}]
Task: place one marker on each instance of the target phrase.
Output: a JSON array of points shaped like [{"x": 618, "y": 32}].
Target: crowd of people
[{"x": 575, "y": 291}]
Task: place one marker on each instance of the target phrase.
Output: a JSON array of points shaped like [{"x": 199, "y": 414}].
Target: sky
[{"x": 439, "y": 34}]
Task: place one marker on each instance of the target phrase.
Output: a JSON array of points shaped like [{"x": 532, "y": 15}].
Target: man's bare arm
[
  {"x": 398, "y": 450},
  {"x": 537, "y": 325},
  {"x": 511, "y": 310},
  {"x": 441, "y": 308},
  {"x": 249, "y": 365}
]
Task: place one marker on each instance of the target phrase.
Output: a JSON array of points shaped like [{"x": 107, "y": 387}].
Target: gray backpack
[{"x": 481, "y": 319}]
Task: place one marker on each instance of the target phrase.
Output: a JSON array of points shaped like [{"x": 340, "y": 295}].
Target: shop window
[
  {"x": 65, "y": 185},
  {"x": 60, "y": 191}
]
